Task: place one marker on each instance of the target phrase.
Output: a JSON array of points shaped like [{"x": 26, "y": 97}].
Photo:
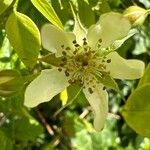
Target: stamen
[
  {"x": 74, "y": 41},
  {"x": 68, "y": 48},
  {"x": 100, "y": 40},
  {"x": 90, "y": 90},
  {"x": 76, "y": 45},
  {"x": 64, "y": 53},
  {"x": 67, "y": 73},
  {"x": 62, "y": 46},
  {"x": 104, "y": 88},
  {"x": 59, "y": 69},
  {"x": 108, "y": 60}
]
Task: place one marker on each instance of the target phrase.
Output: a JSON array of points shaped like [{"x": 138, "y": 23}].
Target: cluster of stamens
[{"x": 83, "y": 65}]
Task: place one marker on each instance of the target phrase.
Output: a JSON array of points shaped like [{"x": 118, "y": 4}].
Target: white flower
[{"x": 87, "y": 57}]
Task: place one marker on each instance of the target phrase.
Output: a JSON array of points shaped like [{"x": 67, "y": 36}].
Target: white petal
[
  {"x": 118, "y": 43},
  {"x": 53, "y": 38},
  {"x": 79, "y": 30},
  {"x": 48, "y": 84},
  {"x": 111, "y": 26},
  {"x": 99, "y": 102},
  {"x": 121, "y": 68}
]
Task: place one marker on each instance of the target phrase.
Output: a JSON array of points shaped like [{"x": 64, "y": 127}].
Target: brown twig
[{"x": 46, "y": 125}]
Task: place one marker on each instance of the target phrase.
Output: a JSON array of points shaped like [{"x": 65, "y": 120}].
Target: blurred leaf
[
  {"x": 118, "y": 43},
  {"x": 10, "y": 82},
  {"x": 48, "y": 12},
  {"x": 4, "y": 4},
  {"x": 27, "y": 129},
  {"x": 51, "y": 59},
  {"x": 104, "y": 6},
  {"x": 137, "y": 110},
  {"x": 109, "y": 82},
  {"x": 85, "y": 13},
  {"x": 24, "y": 37},
  {"x": 73, "y": 92},
  {"x": 5, "y": 142},
  {"x": 146, "y": 77}
]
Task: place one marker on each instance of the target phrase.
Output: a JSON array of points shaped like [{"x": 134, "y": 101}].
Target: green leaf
[
  {"x": 10, "y": 82},
  {"x": 137, "y": 110},
  {"x": 85, "y": 13},
  {"x": 27, "y": 129},
  {"x": 24, "y": 36},
  {"x": 104, "y": 6},
  {"x": 4, "y": 4},
  {"x": 48, "y": 12},
  {"x": 109, "y": 82},
  {"x": 73, "y": 92},
  {"x": 5, "y": 142},
  {"x": 146, "y": 77},
  {"x": 51, "y": 59}
]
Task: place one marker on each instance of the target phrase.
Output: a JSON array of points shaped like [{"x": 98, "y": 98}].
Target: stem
[
  {"x": 69, "y": 103},
  {"x": 43, "y": 120},
  {"x": 15, "y": 5}
]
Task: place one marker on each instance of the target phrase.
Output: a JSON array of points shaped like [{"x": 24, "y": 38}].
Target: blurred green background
[{"x": 38, "y": 129}]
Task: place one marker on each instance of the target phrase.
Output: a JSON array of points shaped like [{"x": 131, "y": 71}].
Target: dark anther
[
  {"x": 70, "y": 81},
  {"x": 74, "y": 41},
  {"x": 62, "y": 46},
  {"x": 98, "y": 45},
  {"x": 108, "y": 60},
  {"x": 84, "y": 43},
  {"x": 76, "y": 45},
  {"x": 67, "y": 73},
  {"x": 85, "y": 49},
  {"x": 64, "y": 53},
  {"x": 62, "y": 65},
  {"x": 68, "y": 48},
  {"x": 84, "y": 39},
  {"x": 90, "y": 90},
  {"x": 104, "y": 88},
  {"x": 84, "y": 63},
  {"x": 59, "y": 69},
  {"x": 75, "y": 52},
  {"x": 100, "y": 40},
  {"x": 64, "y": 59}
]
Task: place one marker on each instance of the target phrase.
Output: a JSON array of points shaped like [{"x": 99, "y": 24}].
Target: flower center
[{"x": 84, "y": 65}]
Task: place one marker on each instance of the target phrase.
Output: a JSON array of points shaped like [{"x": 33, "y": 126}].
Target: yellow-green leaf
[
  {"x": 48, "y": 12},
  {"x": 24, "y": 36},
  {"x": 146, "y": 77},
  {"x": 137, "y": 110},
  {"x": 4, "y": 4},
  {"x": 10, "y": 82}
]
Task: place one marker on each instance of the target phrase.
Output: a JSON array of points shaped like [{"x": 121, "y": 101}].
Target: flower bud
[{"x": 136, "y": 14}]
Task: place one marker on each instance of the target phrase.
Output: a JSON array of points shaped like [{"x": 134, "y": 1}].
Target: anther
[
  {"x": 67, "y": 73},
  {"x": 98, "y": 45},
  {"x": 64, "y": 53},
  {"x": 90, "y": 90},
  {"x": 64, "y": 59},
  {"x": 104, "y": 88},
  {"x": 108, "y": 60},
  {"x": 74, "y": 41},
  {"x": 84, "y": 43},
  {"x": 59, "y": 69},
  {"x": 76, "y": 45},
  {"x": 62, "y": 65},
  {"x": 75, "y": 52},
  {"x": 100, "y": 40},
  {"x": 68, "y": 48},
  {"x": 70, "y": 81},
  {"x": 84, "y": 39},
  {"x": 62, "y": 46}
]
